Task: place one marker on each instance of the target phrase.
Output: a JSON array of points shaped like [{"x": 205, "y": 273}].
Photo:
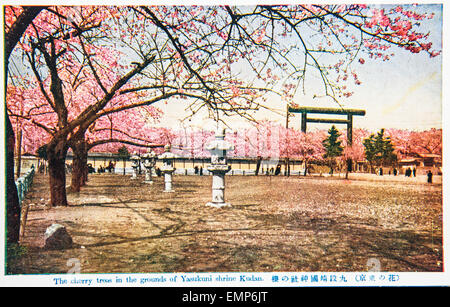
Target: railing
[{"x": 24, "y": 183}]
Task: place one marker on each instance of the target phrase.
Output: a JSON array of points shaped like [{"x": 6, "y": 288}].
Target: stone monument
[
  {"x": 218, "y": 167},
  {"x": 149, "y": 161},
  {"x": 168, "y": 168},
  {"x": 135, "y": 161}
]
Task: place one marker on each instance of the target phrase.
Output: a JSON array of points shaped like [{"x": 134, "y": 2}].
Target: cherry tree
[
  {"x": 21, "y": 101},
  {"x": 273, "y": 142},
  {"x": 310, "y": 147},
  {"x": 131, "y": 127},
  {"x": 292, "y": 41},
  {"x": 427, "y": 142},
  {"x": 77, "y": 67},
  {"x": 49, "y": 46},
  {"x": 78, "y": 60},
  {"x": 355, "y": 151},
  {"x": 14, "y": 30},
  {"x": 401, "y": 140},
  {"x": 416, "y": 142},
  {"x": 284, "y": 46}
]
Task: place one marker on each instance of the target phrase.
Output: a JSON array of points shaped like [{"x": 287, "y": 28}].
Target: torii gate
[{"x": 349, "y": 121}]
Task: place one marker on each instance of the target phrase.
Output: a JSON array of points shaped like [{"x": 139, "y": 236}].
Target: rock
[{"x": 57, "y": 237}]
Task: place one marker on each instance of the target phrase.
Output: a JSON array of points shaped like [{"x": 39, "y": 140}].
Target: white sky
[{"x": 404, "y": 92}]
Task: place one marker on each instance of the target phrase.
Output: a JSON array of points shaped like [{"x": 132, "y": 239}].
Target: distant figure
[
  {"x": 110, "y": 167},
  {"x": 278, "y": 170},
  {"x": 271, "y": 170},
  {"x": 381, "y": 171},
  {"x": 414, "y": 172},
  {"x": 90, "y": 168},
  {"x": 430, "y": 177},
  {"x": 395, "y": 171},
  {"x": 158, "y": 172},
  {"x": 408, "y": 172},
  {"x": 196, "y": 170},
  {"x": 201, "y": 170}
]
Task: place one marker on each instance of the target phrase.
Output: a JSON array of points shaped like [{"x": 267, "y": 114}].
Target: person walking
[{"x": 430, "y": 177}]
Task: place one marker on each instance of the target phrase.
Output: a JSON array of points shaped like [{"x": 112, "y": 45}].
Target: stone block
[{"x": 57, "y": 237}]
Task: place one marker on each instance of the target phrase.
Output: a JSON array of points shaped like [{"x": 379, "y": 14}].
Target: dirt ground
[{"x": 274, "y": 224}]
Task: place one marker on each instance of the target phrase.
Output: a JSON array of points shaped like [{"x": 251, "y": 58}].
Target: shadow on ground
[{"x": 281, "y": 225}]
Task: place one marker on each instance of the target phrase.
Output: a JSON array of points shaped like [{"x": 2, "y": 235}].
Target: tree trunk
[
  {"x": 19, "y": 152},
  {"x": 56, "y": 153},
  {"x": 12, "y": 199},
  {"x": 258, "y": 165},
  {"x": 77, "y": 173},
  {"x": 85, "y": 169},
  {"x": 349, "y": 167},
  {"x": 287, "y": 167},
  {"x": 79, "y": 166}
]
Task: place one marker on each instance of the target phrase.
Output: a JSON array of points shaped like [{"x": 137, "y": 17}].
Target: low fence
[
  {"x": 205, "y": 172},
  {"x": 24, "y": 183}
]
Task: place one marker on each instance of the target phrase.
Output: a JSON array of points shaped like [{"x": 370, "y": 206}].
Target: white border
[{"x": 404, "y": 279}]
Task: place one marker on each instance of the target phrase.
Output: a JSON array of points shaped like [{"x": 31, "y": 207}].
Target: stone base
[
  {"x": 219, "y": 168},
  {"x": 218, "y": 205},
  {"x": 167, "y": 169}
]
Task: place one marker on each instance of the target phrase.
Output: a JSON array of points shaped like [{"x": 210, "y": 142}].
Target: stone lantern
[
  {"x": 168, "y": 168},
  {"x": 135, "y": 161},
  {"x": 218, "y": 167},
  {"x": 149, "y": 161}
]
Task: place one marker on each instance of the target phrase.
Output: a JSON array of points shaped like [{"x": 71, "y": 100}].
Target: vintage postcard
[{"x": 224, "y": 144}]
